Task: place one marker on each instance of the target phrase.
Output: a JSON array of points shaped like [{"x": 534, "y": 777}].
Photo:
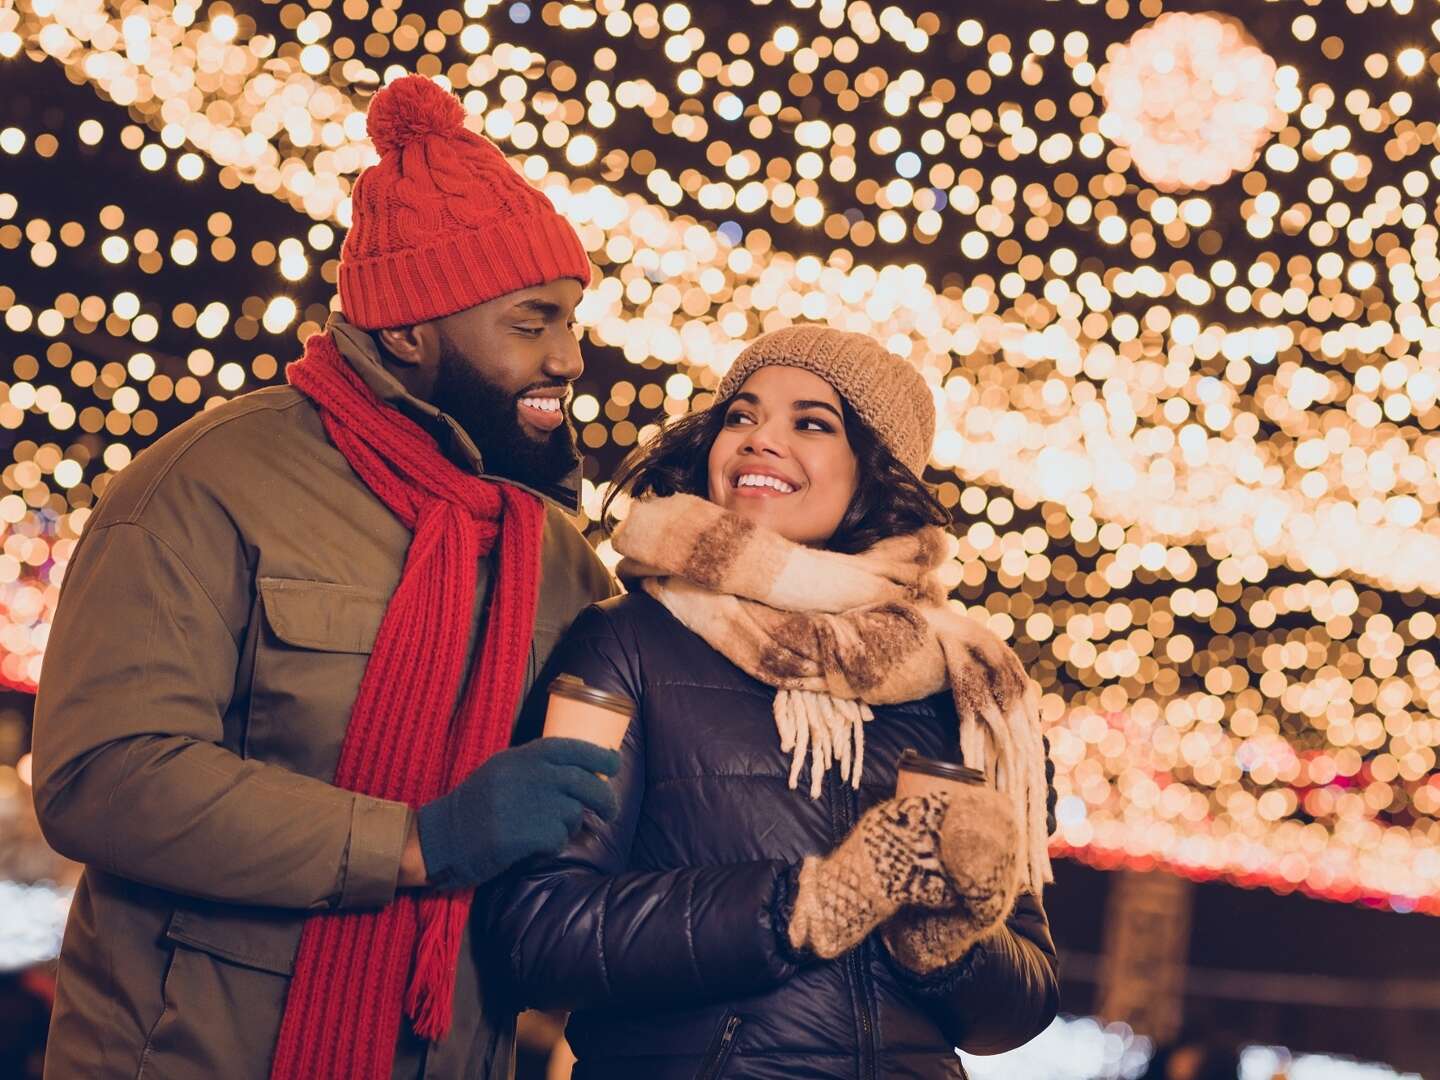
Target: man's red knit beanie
[{"x": 442, "y": 222}]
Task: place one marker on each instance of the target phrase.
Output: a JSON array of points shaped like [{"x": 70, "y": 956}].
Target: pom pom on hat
[{"x": 411, "y": 108}]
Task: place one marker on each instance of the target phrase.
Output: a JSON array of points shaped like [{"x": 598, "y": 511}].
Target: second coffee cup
[{"x": 916, "y": 775}]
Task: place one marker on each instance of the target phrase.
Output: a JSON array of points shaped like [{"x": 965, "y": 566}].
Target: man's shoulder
[
  {"x": 561, "y": 529},
  {"x": 250, "y": 416},
  {"x": 572, "y": 574},
  {"x": 224, "y": 445}
]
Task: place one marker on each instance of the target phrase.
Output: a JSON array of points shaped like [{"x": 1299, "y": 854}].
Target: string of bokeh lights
[{"x": 1187, "y": 417}]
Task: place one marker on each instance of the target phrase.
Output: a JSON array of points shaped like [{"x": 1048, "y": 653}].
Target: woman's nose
[{"x": 762, "y": 439}]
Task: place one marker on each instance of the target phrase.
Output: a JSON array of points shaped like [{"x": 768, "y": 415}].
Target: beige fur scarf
[{"x": 836, "y": 634}]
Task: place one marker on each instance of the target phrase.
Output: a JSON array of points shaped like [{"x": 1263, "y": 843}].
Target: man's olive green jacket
[{"x": 212, "y": 631}]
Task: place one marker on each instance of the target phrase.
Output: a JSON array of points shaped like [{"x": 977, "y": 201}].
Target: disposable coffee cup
[
  {"x": 577, "y": 711},
  {"x": 918, "y": 775}
]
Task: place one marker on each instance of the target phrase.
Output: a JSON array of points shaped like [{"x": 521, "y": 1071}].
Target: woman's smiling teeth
[{"x": 760, "y": 480}]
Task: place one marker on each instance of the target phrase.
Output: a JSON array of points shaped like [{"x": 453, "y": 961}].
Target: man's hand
[
  {"x": 412, "y": 861},
  {"x": 528, "y": 800}
]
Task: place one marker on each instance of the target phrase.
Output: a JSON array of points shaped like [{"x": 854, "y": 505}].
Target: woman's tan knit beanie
[{"x": 884, "y": 389}]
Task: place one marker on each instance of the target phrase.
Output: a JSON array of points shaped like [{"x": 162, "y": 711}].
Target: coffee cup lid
[
  {"x": 574, "y": 688},
  {"x": 910, "y": 761}
]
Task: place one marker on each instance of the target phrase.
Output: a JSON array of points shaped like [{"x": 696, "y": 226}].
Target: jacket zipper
[
  {"x": 842, "y": 817},
  {"x": 719, "y": 1051}
]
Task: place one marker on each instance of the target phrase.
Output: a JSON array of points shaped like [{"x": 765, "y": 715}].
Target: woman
[{"x": 733, "y": 920}]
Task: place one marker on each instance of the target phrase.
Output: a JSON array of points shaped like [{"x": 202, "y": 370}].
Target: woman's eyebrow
[{"x": 798, "y": 405}]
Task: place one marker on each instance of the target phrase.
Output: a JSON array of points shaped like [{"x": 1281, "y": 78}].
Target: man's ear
[{"x": 415, "y": 346}]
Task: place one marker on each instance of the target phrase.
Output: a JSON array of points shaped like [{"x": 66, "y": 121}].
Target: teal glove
[{"x": 528, "y": 800}]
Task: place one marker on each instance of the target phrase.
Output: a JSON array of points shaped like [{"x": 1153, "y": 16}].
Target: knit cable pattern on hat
[
  {"x": 884, "y": 389},
  {"x": 442, "y": 222}
]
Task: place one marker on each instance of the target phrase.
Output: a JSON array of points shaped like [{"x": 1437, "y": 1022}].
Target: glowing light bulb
[{"x": 1193, "y": 99}]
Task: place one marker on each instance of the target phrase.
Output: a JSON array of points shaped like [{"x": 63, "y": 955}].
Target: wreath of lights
[{"x": 1192, "y": 100}]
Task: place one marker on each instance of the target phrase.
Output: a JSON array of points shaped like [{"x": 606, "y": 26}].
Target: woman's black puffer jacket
[{"x": 659, "y": 930}]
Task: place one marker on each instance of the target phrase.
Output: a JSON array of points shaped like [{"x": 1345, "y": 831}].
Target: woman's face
[{"x": 782, "y": 458}]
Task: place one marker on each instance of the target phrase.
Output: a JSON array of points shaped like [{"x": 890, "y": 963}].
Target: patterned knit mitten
[
  {"x": 978, "y": 848},
  {"x": 892, "y": 858}
]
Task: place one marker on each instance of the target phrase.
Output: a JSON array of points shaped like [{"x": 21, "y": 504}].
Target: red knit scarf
[{"x": 406, "y": 740}]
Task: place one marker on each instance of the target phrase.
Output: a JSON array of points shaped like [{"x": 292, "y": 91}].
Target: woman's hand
[
  {"x": 947, "y": 856},
  {"x": 978, "y": 847},
  {"x": 892, "y": 858}
]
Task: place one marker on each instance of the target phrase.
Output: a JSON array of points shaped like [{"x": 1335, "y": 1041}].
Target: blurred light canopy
[{"x": 1171, "y": 270}]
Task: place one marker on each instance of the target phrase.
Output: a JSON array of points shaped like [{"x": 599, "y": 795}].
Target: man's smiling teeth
[
  {"x": 545, "y": 404},
  {"x": 759, "y": 480}
]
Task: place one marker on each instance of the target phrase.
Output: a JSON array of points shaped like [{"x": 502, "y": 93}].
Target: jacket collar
[{"x": 361, "y": 352}]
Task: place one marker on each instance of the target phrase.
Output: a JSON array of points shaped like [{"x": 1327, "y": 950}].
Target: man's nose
[{"x": 565, "y": 361}]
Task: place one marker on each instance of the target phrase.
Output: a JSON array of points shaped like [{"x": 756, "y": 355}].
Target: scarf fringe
[
  {"x": 1014, "y": 758},
  {"x": 430, "y": 999},
  {"x": 831, "y": 729}
]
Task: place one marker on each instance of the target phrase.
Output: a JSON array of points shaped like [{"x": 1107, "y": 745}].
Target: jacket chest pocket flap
[
  {"x": 310, "y": 657},
  {"x": 322, "y": 615}
]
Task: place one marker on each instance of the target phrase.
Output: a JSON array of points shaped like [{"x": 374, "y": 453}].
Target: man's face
[{"x": 504, "y": 372}]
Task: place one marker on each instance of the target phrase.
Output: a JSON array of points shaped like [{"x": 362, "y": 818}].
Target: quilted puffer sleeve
[{"x": 1002, "y": 993}]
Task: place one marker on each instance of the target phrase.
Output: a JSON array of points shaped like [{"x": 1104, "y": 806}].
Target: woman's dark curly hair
[{"x": 889, "y": 500}]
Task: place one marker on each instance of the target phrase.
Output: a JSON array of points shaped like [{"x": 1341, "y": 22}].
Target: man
[{"x": 291, "y": 648}]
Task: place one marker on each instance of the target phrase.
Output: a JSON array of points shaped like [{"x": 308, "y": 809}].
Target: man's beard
[{"x": 490, "y": 416}]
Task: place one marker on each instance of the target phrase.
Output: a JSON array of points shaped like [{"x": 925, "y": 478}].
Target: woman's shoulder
[
  {"x": 638, "y": 632},
  {"x": 631, "y": 642},
  {"x": 630, "y": 617},
  {"x": 607, "y": 643},
  {"x": 634, "y": 606}
]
